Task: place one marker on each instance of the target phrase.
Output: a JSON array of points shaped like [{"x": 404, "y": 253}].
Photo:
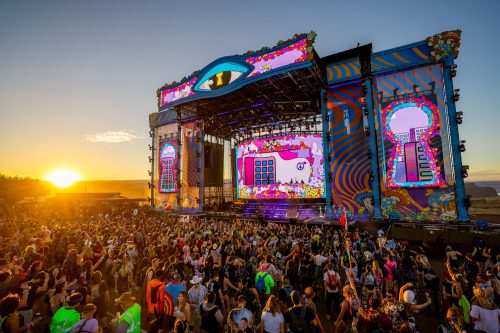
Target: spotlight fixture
[
  {"x": 369, "y": 155},
  {"x": 465, "y": 174},
  {"x": 453, "y": 70},
  {"x": 150, "y": 159},
  {"x": 370, "y": 176},
  {"x": 367, "y": 130},
  {"x": 151, "y": 147},
  {"x": 365, "y": 110},
  {"x": 151, "y": 185},
  {"x": 461, "y": 147},
  {"x": 327, "y": 136},
  {"x": 456, "y": 95},
  {"x": 327, "y": 117},
  {"x": 151, "y": 133},
  {"x": 149, "y": 173},
  {"x": 458, "y": 117}
]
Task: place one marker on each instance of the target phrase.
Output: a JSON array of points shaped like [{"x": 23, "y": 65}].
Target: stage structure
[{"x": 283, "y": 133}]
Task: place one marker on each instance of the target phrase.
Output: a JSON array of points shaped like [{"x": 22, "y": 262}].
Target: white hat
[
  {"x": 409, "y": 297},
  {"x": 196, "y": 279}
]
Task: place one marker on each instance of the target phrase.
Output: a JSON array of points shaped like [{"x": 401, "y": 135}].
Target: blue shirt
[{"x": 174, "y": 288}]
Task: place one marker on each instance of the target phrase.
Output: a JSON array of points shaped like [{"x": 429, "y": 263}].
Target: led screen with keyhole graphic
[{"x": 409, "y": 125}]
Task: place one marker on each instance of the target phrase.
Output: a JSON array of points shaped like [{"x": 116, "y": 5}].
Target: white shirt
[
  {"x": 320, "y": 260},
  {"x": 486, "y": 320},
  {"x": 272, "y": 323}
]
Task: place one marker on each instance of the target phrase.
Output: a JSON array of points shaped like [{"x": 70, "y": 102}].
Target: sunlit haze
[
  {"x": 62, "y": 177},
  {"x": 79, "y": 78}
]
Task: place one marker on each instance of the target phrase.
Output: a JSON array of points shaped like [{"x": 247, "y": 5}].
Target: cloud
[{"x": 113, "y": 136}]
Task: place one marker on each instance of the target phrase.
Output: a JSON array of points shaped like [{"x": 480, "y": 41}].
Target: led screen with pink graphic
[
  {"x": 281, "y": 167},
  {"x": 411, "y": 127}
]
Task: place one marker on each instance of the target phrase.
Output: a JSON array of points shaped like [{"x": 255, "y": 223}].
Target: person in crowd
[
  {"x": 263, "y": 283},
  {"x": 211, "y": 315},
  {"x": 272, "y": 320},
  {"x": 299, "y": 318},
  {"x": 484, "y": 313},
  {"x": 195, "y": 297},
  {"x": 239, "y": 312},
  {"x": 87, "y": 323},
  {"x": 182, "y": 312},
  {"x": 332, "y": 285},
  {"x": 67, "y": 316},
  {"x": 11, "y": 319},
  {"x": 130, "y": 320}
]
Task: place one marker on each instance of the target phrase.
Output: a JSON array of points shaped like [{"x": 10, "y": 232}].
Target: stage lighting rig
[
  {"x": 151, "y": 133},
  {"x": 370, "y": 176},
  {"x": 150, "y": 159},
  {"x": 149, "y": 173},
  {"x": 465, "y": 174},
  {"x": 151, "y": 147},
  {"x": 456, "y": 95},
  {"x": 365, "y": 110},
  {"x": 151, "y": 185},
  {"x": 461, "y": 147},
  {"x": 453, "y": 70},
  {"x": 327, "y": 117},
  {"x": 369, "y": 154},
  {"x": 458, "y": 117},
  {"x": 367, "y": 130}
]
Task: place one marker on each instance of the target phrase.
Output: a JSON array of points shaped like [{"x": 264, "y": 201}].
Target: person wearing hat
[
  {"x": 66, "y": 317},
  {"x": 87, "y": 323},
  {"x": 195, "y": 296},
  {"x": 130, "y": 320}
]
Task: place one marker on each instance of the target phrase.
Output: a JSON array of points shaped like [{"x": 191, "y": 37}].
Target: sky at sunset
[{"x": 78, "y": 79}]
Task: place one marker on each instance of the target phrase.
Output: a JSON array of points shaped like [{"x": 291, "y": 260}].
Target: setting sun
[{"x": 62, "y": 177}]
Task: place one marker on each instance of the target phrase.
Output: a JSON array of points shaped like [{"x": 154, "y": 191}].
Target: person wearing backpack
[
  {"x": 299, "y": 318},
  {"x": 368, "y": 283},
  {"x": 332, "y": 284},
  {"x": 87, "y": 324},
  {"x": 211, "y": 316},
  {"x": 66, "y": 317},
  {"x": 263, "y": 283},
  {"x": 155, "y": 296}
]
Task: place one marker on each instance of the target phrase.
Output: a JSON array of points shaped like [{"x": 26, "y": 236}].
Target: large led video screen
[{"x": 281, "y": 167}]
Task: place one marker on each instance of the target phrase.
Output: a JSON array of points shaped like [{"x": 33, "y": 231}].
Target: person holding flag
[{"x": 343, "y": 219}]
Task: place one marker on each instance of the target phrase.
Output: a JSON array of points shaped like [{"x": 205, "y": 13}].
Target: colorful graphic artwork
[
  {"x": 281, "y": 167},
  {"x": 410, "y": 124},
  {"x": 168, "y": 167},
  {"x": 228, "y": 70}
]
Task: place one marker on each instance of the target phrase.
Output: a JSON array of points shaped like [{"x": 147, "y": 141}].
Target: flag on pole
[{"x": 343, "y": 219}]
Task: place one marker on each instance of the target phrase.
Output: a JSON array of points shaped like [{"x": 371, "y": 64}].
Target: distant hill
[
  {"x": 128, "y": 188},
  {"x": 481, "y": 189},
  {"x": 494, "y": 184}
]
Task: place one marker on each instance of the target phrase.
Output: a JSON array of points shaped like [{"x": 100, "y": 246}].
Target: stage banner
[
  {"x": 166, "y": 165},
  {"x": 414, "y": 145},
  {"x": 348, "y": 153},
  {"x": 192, "y": 147}
]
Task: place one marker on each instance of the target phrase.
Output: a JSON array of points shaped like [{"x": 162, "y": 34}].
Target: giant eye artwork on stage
[
  {"x": 220, "y": 76},
  {"x": 411, "y": 127},
  {"x": 280, "y": 167},
  {"x": 168, "y": 168}
]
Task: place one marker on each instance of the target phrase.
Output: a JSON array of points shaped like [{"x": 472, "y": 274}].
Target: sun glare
[{"x": 62, "y": 178}]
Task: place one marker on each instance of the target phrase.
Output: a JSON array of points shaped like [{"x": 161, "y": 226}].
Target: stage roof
[{"x": 270, "y": 85}]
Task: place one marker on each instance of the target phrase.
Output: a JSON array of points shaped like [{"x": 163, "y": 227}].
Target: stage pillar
[
  {"x": 377, "y": 212},
  {"x": 201, "y": 165},
  {"x": 462, "y": 214},
  {"x": 179, "y": 160},
  {"x": 326, "y": 154}
]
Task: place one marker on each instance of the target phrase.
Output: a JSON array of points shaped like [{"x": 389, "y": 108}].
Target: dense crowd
[{"x": 121, "y": 271}]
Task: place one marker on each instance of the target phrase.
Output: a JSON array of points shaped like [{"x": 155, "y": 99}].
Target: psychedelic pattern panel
[
  {"x": 281, "y": 167},
  {"x": 414, "y": 146},
  {"x": 349, "y": 166},
  {"x": 191, "y": 155}
]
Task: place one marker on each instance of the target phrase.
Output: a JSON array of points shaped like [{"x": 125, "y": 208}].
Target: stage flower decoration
[{"x": 444, "y": 44}]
